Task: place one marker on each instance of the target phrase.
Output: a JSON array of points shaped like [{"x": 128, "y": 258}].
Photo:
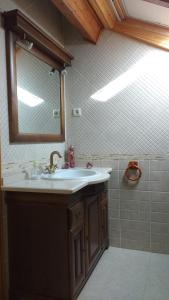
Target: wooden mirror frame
[{"x": 17, "y": 26}]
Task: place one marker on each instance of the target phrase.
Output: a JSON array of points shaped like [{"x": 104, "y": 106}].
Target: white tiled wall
[
  {"x": 135, "y": 120},
  {"x": 44, "y": 15},
  {"x": 132, "y": 125}
]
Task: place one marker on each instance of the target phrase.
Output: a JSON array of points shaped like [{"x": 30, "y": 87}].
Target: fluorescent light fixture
[
  {"x": 28, "y": 98},
  {"x": 151, "y": 63}
]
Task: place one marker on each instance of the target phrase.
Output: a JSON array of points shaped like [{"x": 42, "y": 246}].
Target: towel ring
[{"x": 133, "y": 165}]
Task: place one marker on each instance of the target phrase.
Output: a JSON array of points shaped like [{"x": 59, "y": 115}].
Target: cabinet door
[
  {"x": 77, "y": 258},
  {"x": 92, "y": 230},
  {"x": 76, "y": 245},
  {"x": 38, "y": 250},
  {"x": 104, "y": 219}
]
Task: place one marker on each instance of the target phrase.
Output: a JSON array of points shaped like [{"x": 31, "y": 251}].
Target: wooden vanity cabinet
[
  {"x": 92, "y": 230},
  {"x": 77, "y": 246},
  {"x": 104, "y": 219},
  {"x": 54, "y": 241}
]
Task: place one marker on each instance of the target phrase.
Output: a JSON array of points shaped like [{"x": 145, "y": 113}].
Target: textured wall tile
[
  {"x": 135, "y": 239},
  {"x": 106, "y": 163},
  {"x": 123, "y": 164},
  {"x": 113, "y": 203},
  {"x": 159, "y": 165},
  {"x": 136, "y": 244},
  {"x": 134, "y": 225},
  {"x": 156, "y": 175},
  {"x": 139, "y": 214},
  {"x": 160, "y": 207},
  {"x": 162, "y": 228},
  {"x": 133, "y": 120},
  {"x": 162, "y": 184},
  {"x": 145, "y": 168},
  {"x": 134, "y": 215},
  {"x": 114, "y": 194},
  {"x": 114, "y": 225},
  {"x": 135, "y": 195},
  {"x": 113, "y": 212},
  {"x": 115, "y": 164},
  {"x": 134, "y": 205},
  {"x": 114, "y": 180},
  {"x": 160, "y": 243},
  {"x": 114, "y": 232},
  {"x": 135, "y": 235},
  {"x": 80, "y": 163},
  {"x": 160, "y": 217},
  {"x": 114, "y": 241},
  {"x": 160, "y": 197}
]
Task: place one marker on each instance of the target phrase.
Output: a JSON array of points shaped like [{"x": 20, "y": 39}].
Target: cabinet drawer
[{"x": 76, "y": 214}]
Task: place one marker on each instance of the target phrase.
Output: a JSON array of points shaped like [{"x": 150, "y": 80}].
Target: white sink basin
[{"x": 68, "y": 174}]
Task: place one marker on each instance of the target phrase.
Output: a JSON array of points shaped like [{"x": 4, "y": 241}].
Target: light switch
[
  {"x": 56, "y": 113},
  {"x": 76, "y": 112}
]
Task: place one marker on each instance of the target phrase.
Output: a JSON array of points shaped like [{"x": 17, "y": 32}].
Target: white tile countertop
[{"x": 57, "y": 186}]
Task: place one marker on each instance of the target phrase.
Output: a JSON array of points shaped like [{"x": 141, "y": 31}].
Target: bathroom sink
[{"x": 75, "y": 174}]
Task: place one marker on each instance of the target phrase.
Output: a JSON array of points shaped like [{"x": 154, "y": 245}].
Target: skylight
[{"x": 164, "y": 3}]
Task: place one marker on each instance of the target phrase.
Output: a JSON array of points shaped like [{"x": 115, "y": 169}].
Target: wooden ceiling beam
[
  {"x": 82, "y": 16},
  {"x": 155, "y": 35},
  {"x": 104, "y": 11},
  {"x": 111, "y": 15}
]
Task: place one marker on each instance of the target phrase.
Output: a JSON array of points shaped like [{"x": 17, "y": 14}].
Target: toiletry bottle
[{"x": 71, "y": 156}]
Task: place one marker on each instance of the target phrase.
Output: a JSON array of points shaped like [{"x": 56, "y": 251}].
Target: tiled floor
[{"x": 125, "y": 274}]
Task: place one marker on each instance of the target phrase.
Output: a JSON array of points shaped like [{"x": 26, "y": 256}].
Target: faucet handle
[
  {"x": 89, "y": 165},
  {"x": 50, "y": 169}
]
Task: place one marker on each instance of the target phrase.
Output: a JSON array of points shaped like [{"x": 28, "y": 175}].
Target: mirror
[
  {"x": 35, "y": 94},
  {"x": 35, "y": 81},
  {"x": 38, "y": 95}
]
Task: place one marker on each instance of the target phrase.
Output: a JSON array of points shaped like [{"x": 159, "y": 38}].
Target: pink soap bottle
[{"x": 71, "y": 156}]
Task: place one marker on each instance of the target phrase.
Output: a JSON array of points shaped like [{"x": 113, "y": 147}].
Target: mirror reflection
[{"x": 38, "y": 93}]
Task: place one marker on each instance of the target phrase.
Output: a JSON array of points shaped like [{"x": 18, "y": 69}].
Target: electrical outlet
[
  {"x": 56, "y": 113},
  {"x": 76, "y": 112}
]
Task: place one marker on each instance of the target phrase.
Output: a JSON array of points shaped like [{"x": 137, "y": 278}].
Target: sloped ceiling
[
  {"x": 138, "y": 19},
  {"x": 164, "y": 3}
]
